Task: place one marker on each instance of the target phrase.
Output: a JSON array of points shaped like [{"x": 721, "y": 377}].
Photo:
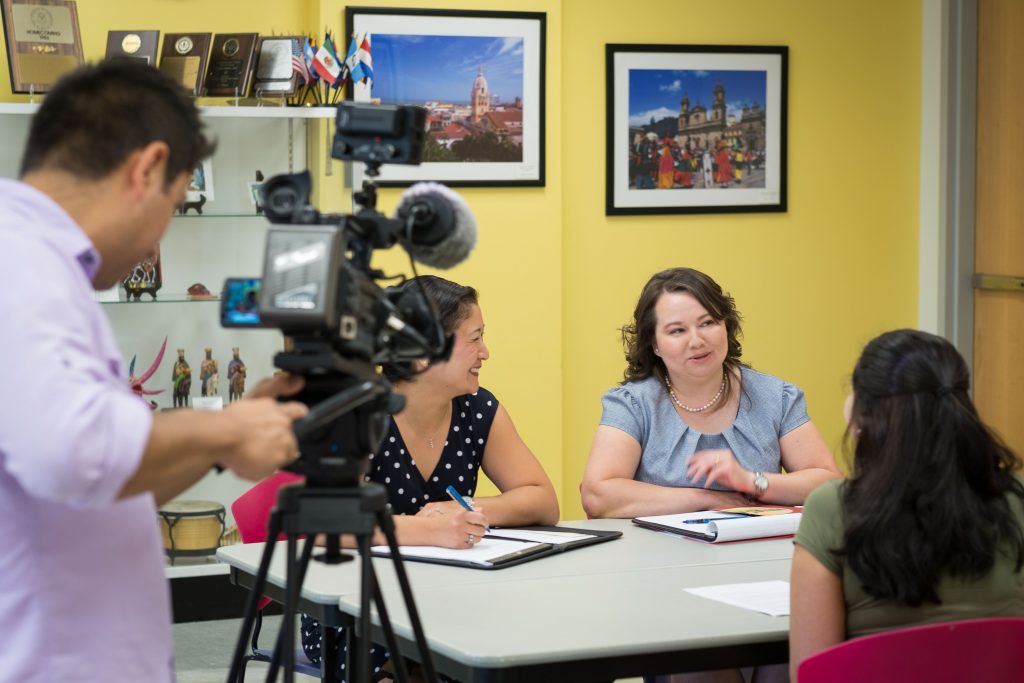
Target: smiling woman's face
[
  {"x": 692, "y": 344},
  {"x": 460, "y": 373}
]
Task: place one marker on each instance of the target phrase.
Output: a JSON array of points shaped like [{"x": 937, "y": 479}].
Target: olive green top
[{"x": 999, "y": 594}]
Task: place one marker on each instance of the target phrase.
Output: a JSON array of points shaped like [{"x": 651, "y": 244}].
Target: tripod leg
[
  {"x": 237, "y": 660},
  {"x": 285, "y": 646},
  {"x": 398, "y": 662},
  {"x": 363, "y": 642},
  {"x": 387, "y": 525}
]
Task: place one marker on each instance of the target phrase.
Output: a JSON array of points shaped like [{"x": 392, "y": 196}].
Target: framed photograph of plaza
[
  {"x": 695, "y": 129},
  {"x": 480, "y": 76}
]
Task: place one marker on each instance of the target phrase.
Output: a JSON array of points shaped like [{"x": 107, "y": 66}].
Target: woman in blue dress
[
  {"x": 692, "y": 427},
  {"x": 450, "y": 429}
]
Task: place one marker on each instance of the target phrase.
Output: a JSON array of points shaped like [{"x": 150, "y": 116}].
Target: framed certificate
[
  {"x": 43, "y": 42},
  {"x": 141, "y": 45},
  {"x": 184, "y": 57}
]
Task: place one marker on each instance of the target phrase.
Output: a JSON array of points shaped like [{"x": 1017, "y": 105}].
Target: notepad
[
  {"x": 488, "y": 552},
  {"x": 767, "y": 597},
  {"x": 506, "y": 547},
  {"x": 723, "y": 526},
  {"x": 552, "y": 537}
]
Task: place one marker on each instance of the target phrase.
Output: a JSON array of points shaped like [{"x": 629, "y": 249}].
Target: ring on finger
[{"x": 469, "y": 539}]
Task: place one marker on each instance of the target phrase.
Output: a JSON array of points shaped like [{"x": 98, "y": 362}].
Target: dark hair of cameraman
[{"x": 76, "y": 132}]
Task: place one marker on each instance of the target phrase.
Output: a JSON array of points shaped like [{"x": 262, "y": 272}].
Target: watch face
[{"x": 184, "y": 45}]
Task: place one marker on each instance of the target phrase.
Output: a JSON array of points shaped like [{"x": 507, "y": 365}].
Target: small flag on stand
[
  {"x": 359, "y": 61},
  {"x": 326, "y": 65}
]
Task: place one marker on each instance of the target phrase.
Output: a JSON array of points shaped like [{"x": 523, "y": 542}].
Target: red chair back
[
  {"x": 971, "y": 650},
  {"x": 252, "y": 510}
]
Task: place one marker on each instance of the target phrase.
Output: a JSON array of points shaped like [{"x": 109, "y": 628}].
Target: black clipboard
[
  {"x": 596, "y": 535},
  {"x": 533, "y": 551}
]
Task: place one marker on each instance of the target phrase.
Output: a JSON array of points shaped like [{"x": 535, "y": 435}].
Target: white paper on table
[
  {"x": 552, "y": 537},
  {"x": 767, "y": 597},
  {"x": 483, "y": 553}
]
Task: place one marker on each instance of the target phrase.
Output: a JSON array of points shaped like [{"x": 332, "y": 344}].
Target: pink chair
[
  {"x": 971, "y": 650},
  {"x": 252, "y": 513}
]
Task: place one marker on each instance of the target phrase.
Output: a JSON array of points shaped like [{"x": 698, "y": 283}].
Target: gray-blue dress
[{"x": 769, "y": 408}]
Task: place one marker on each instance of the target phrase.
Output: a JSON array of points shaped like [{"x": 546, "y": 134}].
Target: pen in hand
[
  {"x": 708, "y": 520},
  {"x": 457, "y": 497}
]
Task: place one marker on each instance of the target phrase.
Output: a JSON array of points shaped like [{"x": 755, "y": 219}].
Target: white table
[{"x": 601, "y": 612}]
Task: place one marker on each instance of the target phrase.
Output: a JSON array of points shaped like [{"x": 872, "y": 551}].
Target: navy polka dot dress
[{"x": 408, "y": 490}]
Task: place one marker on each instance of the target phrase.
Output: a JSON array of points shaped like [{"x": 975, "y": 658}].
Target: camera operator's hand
[
  {"x": 462, "y": 529},
  {"x": 264, "y": 439},
  {"x": 278, "y": 384}
]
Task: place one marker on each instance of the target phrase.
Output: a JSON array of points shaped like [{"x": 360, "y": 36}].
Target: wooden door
[{"x": 999, "y": 220}]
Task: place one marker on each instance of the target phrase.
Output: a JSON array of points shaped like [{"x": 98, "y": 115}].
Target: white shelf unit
[{"x": 226, "y": 241}]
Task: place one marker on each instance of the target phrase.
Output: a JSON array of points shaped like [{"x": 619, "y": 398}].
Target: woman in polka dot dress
[{"x": 450, "y": 429}]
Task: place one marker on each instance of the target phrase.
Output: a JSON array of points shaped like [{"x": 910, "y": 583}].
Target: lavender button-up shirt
[{"x": 82, "y": 589}]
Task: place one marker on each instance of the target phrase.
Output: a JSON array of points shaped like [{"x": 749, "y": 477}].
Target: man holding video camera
[{"x": 83, "y": 461}]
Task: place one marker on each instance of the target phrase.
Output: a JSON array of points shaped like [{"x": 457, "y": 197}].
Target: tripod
[{"x": 332, "y": 511}]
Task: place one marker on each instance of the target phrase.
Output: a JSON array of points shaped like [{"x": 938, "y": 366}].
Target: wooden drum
[{"x": 191, "y": 527}]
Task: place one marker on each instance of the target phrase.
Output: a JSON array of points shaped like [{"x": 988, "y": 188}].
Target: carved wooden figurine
[
  {"x": 208, "y": 374},
  {"x": 182, "y": 379},
  {"x": 236, "y": 376}
]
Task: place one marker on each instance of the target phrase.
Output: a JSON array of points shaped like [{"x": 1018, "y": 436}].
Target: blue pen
[
  {"x": 708, "y": 520},
  {"x": 457, "y": 497}
]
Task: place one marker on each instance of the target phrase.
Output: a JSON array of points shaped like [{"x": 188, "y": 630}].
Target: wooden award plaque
[
  {"x": 141, "y": 45},
  {"x": 43, "y": 42},
  {"x": 231, "y": 62},
  {"x": 184, "y": 57}
]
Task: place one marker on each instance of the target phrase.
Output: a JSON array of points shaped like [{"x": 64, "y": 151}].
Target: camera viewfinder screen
[{"x": 240, "y": 305}]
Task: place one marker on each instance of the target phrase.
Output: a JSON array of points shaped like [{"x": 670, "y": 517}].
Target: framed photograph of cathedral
[
  {"x": 480, "y": 76},
  {"x": 695, "y": 128}
]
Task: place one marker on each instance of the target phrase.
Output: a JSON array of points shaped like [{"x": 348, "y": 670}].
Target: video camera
[{"x": 319, "y": 289}]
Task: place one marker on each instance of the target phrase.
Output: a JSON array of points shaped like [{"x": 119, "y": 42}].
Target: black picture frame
[
  {"x": 403, "y": 39},
  {"x": 665, "y": 159}
]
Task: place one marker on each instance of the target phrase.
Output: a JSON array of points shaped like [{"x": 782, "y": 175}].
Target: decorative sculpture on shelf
[
  {"x": 208, "y": 374},
  {"x": 146, "y": 277},
  {"x": 197, "y": 205},
  {"x": 236, "y": 376},
  {"x": 181, "y": 377},
  {"x": 136, "y": 383}
]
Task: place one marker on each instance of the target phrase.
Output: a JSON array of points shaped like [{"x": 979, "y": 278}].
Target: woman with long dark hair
[
  {"x": 692, "y": 427},
  {"x": 930, "y": 525}
]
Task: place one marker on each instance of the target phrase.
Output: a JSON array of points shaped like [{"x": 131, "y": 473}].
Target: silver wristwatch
[{"x": 760, "y": 484}]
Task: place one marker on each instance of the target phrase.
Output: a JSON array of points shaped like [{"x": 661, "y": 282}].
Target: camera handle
[{"x": 302, "y": 510}]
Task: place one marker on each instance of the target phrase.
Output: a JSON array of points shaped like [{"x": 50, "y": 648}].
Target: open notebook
[
  {"x": 502, "y": 548},
  {"x": 722, "y": 526}
]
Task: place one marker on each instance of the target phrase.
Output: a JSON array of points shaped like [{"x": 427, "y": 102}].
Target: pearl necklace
[{"x": 713, "y": 401}]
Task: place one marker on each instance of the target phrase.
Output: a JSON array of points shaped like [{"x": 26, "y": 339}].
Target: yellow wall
[
  {"x": 813, "y": 283},
  {"x": 517, "y": 264},
  {"x": 558, "y": 277}
]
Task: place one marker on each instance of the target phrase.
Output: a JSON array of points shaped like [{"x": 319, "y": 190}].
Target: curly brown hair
[{"x": 638, "y": 336}]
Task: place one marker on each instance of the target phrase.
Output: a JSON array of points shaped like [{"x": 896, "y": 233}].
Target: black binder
[{"x": 531, "y": 550}]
